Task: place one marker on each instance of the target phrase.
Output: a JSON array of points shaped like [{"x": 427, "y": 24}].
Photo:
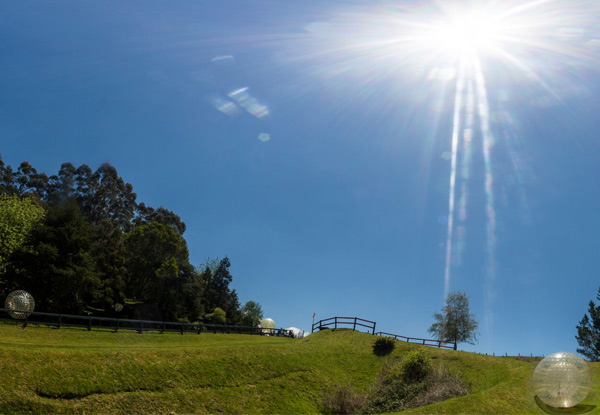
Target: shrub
[
  {"x": 383, "y": 346},
  {"x": 218, "y": 316},
  {"x": 416, "y": 366},
  {"x": 344, "y": 401},
  {"x": 394, "y": 396},
  {"x": 442, "y": 385},
  {"x": 412, "y": 382}
]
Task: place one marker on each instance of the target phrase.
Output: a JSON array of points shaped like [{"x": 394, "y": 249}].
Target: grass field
[{"x": 44, "y": 370}]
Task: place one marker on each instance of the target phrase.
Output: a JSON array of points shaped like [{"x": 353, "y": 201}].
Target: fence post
[
  {"x": 117, "y": 329},
  {"x": 374, "y": 324},
  {"x": 163, "y": 328},
  {"x": 455, "y": 345},
  {"x": 354, "y": 324},
  {"x": 181, "y": 329},
  {"x": 335, "y": 322},
  {"x": 59, "y": 321},
  {"x": 142, "y": 327},
  {"x": 90, "y": 324}
]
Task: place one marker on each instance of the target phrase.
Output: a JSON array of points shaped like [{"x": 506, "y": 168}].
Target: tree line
[{"x": 80, "y": 243}]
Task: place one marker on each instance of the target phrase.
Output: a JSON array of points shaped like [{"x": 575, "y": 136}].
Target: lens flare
[{"x": 450, "y": 55}]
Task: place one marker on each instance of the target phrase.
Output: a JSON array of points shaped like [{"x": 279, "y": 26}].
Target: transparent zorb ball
[
  {"x": 19, "y": 301},
  {"x": 267, "y": 325},
  {"x": 562, "y": 380}
]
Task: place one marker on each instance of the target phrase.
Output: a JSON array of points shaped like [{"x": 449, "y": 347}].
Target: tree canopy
[
  {"x": 252, "y": 314},
  {"x": 588, "y": 332},
  {"x": 455, "y": 323},
  {"x": 80, "y": 243},
  {"x": 18, "y": 216}
]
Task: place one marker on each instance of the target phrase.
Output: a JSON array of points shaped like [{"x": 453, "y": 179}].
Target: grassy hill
[{"x": 43, "y": 370}]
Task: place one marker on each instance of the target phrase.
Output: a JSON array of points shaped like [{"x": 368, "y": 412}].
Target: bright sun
[{"x": 468, "y": 33}]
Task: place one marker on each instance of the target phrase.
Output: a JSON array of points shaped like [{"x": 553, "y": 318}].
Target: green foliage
[
  {"x": 98, "y": 248},
  {"x": 455, "y": 323},
  {"x": 383, "y": 346},
  {"x": 17, "y": 219},
  {"x": 252, "y": 314},
  {"x": 55, "y": 265},
  {"x": 588, "y": 332},
  {"x": 413, "y": 382},
  {"x": 394, "y": 396},
  {"x": 217, "y": 293},
  {"x": 216, "y": 317},
  {"x": 416, "y": 366}
]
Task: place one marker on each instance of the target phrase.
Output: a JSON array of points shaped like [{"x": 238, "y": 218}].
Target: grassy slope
[{"x": 71, "y": 371}]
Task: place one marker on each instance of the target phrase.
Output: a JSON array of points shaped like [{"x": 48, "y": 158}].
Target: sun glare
[
  {"x": 468, "y": 33},
  {"x": 467, "y": 59}
]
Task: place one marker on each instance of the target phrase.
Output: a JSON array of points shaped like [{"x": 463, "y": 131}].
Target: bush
[
  {"x": 416, "y": 366},
  {"x": 218, "y": 316},
  {"x": 383, "y": 346},
  {"x": 412, "y": 382},
  {"x": 442, "y": 385},
  {"x": 344, "y": 401}
]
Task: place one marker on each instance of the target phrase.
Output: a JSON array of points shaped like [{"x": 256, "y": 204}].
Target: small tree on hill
[
  {"x": 455, "y": 323},
  {"x": 588, "y": 332},
  {"x": 251, "y": 314}
]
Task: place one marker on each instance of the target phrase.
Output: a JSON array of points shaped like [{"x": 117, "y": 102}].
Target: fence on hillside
[
  {"x": 116, "y": 324},
  {"x": 340, "y": 322},
  {"x": 424, "y": 342},
  {"x": 356, "y": 322}
]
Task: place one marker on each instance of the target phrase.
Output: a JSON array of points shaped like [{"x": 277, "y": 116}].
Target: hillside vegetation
[{"x": 46, "y": 370}]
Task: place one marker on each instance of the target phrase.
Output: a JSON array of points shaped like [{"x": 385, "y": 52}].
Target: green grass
[{"x": 44, "y": 370}]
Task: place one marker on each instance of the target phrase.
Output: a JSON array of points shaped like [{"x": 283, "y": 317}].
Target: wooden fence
[
  {"x": 355, "y": 322},
  {"x": 424, "y": 342},
  {"x": 335, "y": 322},
  {"x": 116, "y": 324}
]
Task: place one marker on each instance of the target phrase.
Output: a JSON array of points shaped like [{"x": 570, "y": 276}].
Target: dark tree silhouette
[{"x": 588, "y": 332}]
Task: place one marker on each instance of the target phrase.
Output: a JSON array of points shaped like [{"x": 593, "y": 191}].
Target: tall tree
[
  {"x": 61, "y": 187},
  {"x": 455, "y": 323},
  {"x": 29, "y": 182},
  {"x": 588, "y": 332},
  {"x": 159, "y": 273},
  {"x": 147, "y": 214},
  {"x": 109, "y": 204},
  {"x": 217, "y": 292},
  {"x": 109, "y": 198},
  {"x": 55, "y": 266}
]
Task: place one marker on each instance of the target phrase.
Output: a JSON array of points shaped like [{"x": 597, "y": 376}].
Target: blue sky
[{"x": 343, "y": 209}]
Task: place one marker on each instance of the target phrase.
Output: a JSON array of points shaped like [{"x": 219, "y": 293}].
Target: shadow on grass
[{"x": 577, "y": 409}]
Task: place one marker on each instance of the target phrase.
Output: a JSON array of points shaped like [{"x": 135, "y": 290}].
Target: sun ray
[
  {"x": 483, "y": 113},
  {"x": 482, "y": 47},
  {"x": 456, "y": 127}
]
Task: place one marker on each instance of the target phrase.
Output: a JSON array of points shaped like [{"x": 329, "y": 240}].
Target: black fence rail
[
  {"x": 359, "y": 323},
  {"x": 424, "y": 342},
  {"x": 339, "y": 322},
  {"x": 116, "y": 324}
]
